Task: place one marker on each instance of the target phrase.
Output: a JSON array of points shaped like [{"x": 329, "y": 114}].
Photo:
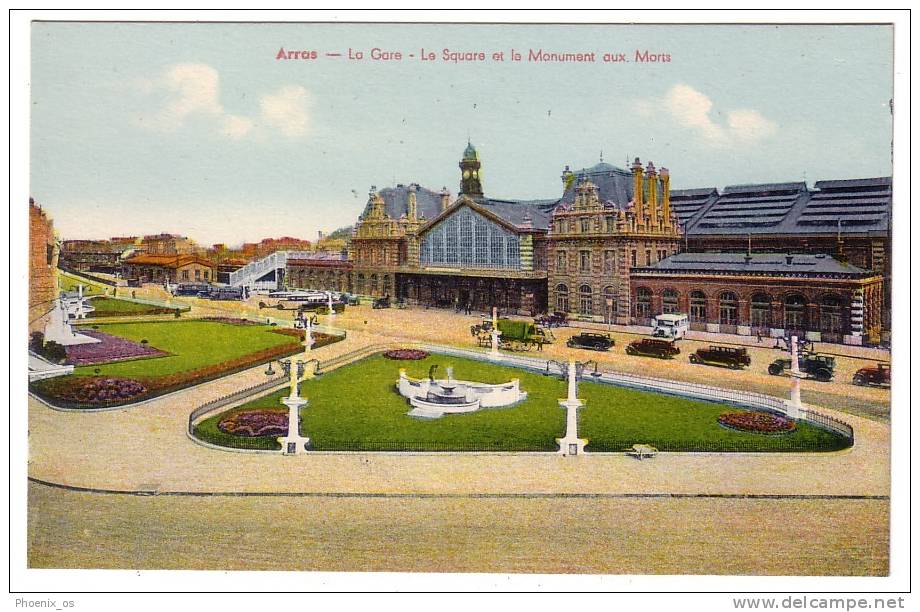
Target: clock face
[{"x": 466, "y": 174}]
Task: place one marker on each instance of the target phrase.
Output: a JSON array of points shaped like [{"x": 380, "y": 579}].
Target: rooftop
[{"x": 755, "y": 263}]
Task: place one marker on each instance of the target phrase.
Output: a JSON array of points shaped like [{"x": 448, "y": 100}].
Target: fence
[
  {"x": 231, "y": 398},
  {"x": 89, "y": 277}
]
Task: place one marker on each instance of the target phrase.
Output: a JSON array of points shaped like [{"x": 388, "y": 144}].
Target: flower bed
[
  {"x": 99, "y": 390},
  {"x": 406, "y": 354},
  {"x": 757, "y": 422},
  {"x": 109, "y": 349},
  {"x": 254, "y": 423},
  {"x": 231, "y": 320}
]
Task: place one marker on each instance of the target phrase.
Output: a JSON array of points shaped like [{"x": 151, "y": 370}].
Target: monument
[{"x": 571, "y": 444}]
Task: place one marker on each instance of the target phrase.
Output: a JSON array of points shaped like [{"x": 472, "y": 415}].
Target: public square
[{"x": 129, "y": 488}]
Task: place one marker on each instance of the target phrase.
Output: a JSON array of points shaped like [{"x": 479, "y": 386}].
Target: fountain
[{"x": 433, "y": 398}]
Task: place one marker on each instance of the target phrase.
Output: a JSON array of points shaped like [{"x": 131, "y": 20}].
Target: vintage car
[
  {"x": 383, "y": 302},
  {"x": 652, "y": 347},
  {"x": 879, "y": 375},
  {"x": 592, "y": 341},
  {"x": 725, "y": 356},
  {"x": 818, "y": 367}
]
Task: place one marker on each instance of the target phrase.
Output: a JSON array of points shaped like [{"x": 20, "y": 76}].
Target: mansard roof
[
  {"x": 613, "y": 184},
  {"x": 396, "y": 201},
  {"x": 756, "y": 263},
  {"x": 850, "y": 206}
]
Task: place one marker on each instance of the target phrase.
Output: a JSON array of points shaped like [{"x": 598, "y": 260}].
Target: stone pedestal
[
  {"x": 571, "y": 444},
  {"x": 794, "y": 405},
  {"x": 293, "y": 443}
]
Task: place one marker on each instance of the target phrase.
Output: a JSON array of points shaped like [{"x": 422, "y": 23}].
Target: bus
[{"x": 671, "y": 326}]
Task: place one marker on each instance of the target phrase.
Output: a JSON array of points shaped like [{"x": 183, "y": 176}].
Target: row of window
[
  {"x": 609, "y": 259},
  {"x": 198, "y": 275},
  {"x": 794, "y": 307}
]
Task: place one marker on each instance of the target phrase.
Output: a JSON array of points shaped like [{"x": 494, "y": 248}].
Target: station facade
[{"x": 610, "y": 248}]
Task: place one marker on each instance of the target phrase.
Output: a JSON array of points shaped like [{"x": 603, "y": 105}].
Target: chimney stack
[
  {"x": 413, "y": 204},
  {"x": 445, "y": 198},
  {"x": 638, "y": 191},
  {"x": 652, "y": 180}
]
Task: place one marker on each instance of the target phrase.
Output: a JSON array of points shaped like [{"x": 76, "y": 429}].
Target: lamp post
[
  {"x": 331, "y": 309},
  {"x": 494, "y": 355},
  {"x": 298, "y": 369}
]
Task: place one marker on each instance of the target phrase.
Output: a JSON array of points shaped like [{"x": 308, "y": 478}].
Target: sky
[{"x": 200, "y": 130}]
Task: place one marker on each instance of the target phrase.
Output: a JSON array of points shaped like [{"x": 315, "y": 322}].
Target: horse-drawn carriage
[{"x": 514, "y": 335}]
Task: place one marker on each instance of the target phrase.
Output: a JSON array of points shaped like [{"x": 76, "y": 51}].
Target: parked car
[
  {"x": 651, "y": 347},
  {"x": 725, "y": 356},
  {"x": 591, "y": 341},
  {"x": 557, "y": 319},
  {"x": 383, "y": 302},
  {"x": 818, "y": 367},
  {"x": 674, "y": 326},
  {"x": 878, "y": 375}
]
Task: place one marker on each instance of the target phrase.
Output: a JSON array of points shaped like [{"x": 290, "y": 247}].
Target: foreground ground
[{"x": 70, "y": 529}]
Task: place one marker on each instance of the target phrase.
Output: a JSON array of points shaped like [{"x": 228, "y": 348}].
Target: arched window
[
  {"x": 831, "y": 314},
  {"x": 794, "y": 311},
  {"x": 562, "y": 298},
  {"x": 669, "y": 301},
  {"x": 359, "y": 284},
  {"x": 698, "y": 306},
  {"x": 585, "y": 300},
  {"x": 610, "y": 302},
  {"x": 728, "y": 308},
  {"x": 761, "y": 310},
  {"x": 374, "y": 285},
  {"x": 386, "y": 284},
  {"x": 643, "y": 303}
]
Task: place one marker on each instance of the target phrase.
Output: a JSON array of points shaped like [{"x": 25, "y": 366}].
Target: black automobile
[
  {"x": 383, "y": 302},
  {"x": 818, "y": 367},
  {"x": 652, "y": 347},
  {"x": 591, "y": 341},
  {"x": 725, "y": 356}
]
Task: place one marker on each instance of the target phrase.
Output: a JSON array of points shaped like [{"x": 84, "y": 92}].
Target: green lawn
[
  {"x": 197, "y": 351},
  {"x": 108, "y": 307},
  {"x": 190, "y": 344},
  {"x": 69, "y": 282},
  {"x": 358, "y": 408}
]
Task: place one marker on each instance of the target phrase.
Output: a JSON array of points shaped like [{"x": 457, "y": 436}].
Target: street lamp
[{"x": 298, "y": 369}]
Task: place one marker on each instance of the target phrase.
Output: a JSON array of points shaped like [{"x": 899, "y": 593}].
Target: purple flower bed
[
  {"x": 406, "y": 354},
  {"x": 97, "y": 390},
  {"x": 111, "y": 348},
  {"x": 253, "y": 423}
]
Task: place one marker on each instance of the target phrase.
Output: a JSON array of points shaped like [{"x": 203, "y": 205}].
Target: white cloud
[
  {"x": 693, "y": 109},
  {"x": 286, "y": 110},
  {"x": 191, "y": 93}
]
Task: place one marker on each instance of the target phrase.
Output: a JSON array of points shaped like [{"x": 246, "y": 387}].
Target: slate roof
[
  {"x": 396, "y": 199},
  {"x": 691, "y": 204},
  {"x": 756, "y": 263},
  {"x": 613, "y": 184},
  {"x": 850, "y": 206},
  {"x": 513, "y": 211}
]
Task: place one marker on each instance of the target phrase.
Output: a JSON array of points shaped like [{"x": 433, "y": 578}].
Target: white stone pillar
[
  {"x": 331, "y": 309},
  {"x": 795, "y": 393},
  {"x": 571, "y": 444}
]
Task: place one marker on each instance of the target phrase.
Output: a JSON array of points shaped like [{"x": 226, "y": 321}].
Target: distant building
[
  {"x": 43, "y": 261},
  {"x": 321, "y": 270},
  {"x": 148, "y": 268},
  {"x": 169, "y": 244}
]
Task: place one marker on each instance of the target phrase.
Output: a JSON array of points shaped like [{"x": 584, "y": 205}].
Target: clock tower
[{"x": 470, "y": 184}]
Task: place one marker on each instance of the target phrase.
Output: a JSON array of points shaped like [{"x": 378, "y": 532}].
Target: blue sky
[{"x": 198, "y": 129}]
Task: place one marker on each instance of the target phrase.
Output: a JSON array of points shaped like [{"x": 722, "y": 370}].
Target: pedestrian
[{"x": 758, "y": 336}]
